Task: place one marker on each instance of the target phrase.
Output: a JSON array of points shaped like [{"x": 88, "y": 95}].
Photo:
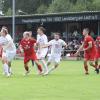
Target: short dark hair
[
  {"x": 42, "y": 29},
  {"x": 57, "y": 33}
]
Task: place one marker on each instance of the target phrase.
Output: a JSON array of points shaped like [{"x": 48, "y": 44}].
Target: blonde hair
[
  {"x": 26, "y": 33},
  {"x": 4, "y": 29}
]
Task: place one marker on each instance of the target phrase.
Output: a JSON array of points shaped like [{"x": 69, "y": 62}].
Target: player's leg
[
  {"x": 92, "y": 64},
  {"x": 44, "y": 65},
  {"x": 38, "y": 66},
  {"x": 56, "y": 61},
  {"x": 86, "y": 66},
  {"x": 50, "y": 59},
  {"x": 41, "y": 57},
  {"x": 53, "y": 67},
  {"x": 5, "y": 65},
  {"x": 34, "y": 58},
  {"x": 47, "y": 72},
  {"x": 93, "y": 59},
  {"x": 9, "y": 64},
  {"x": 48, "y": 63},
  {"x": 10, "y": 57},
  {"x": 26, "y": 68},
  {"x": 97, "y": 66},
  {"x": 32, "y": 62},
  {"x": 96, "y": 63}
]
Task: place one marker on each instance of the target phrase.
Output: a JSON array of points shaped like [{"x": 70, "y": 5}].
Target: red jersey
[
  {"x": 86, "y": 41},
  {"x": 27, "y": 46},
  {"x": 98, "y": 43}
]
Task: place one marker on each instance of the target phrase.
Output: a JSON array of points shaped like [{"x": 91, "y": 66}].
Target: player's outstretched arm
[
  {"x": 45, "y": 46},
  {"x": 81, "y": 47},
  {"x": 20, "y": 48}
]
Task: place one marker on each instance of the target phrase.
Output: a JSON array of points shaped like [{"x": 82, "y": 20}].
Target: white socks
[
  {"x": 9, "y": 69},
  {"x": 44, "y": 65},
  {"x": 51, "y": 69},
  {"x": 6, "y": 69}
]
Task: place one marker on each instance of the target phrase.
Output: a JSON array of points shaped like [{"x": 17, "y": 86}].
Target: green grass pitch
[{"x": 67, "y": 82}]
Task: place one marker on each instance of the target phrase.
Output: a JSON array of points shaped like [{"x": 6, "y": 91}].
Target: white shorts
[
  {"x": 9, "y": 55},
  {"x": 41, "y": 54},
  {"x": 55, "y": 59}
]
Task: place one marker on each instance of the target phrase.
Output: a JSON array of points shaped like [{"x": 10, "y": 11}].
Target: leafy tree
[
  {"x": 96, "y": 5},
  {"x": 59, "y": 6},
  {"x": 28, "y": 6},
  {"x": 51, "y": 6},
  {"x": 9, "y": 12},
  {"x": 42, "y": 9}
]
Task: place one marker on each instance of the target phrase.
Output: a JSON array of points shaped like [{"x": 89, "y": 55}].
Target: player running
[
  {"x": 88, "y": 46},
  {"x": 30, "y": 34},
  {"x": 42, "y": 52},
  {"x": 8, "y": 51},
  {"x": 56, "y": 48},
  {"x": 27, "y": 45},
  {"x": 98, "y": 52}
]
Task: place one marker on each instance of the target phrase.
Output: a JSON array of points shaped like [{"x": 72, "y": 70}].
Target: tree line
[{"x": 49, "y": 6}]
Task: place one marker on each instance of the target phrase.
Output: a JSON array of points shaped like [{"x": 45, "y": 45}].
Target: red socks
[
  {"x": 26, "y": 68},
  {"x": 39, "y": 68},
  {"x": 86, "y": 68}
]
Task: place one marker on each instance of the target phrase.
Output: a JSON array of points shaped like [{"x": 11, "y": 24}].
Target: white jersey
[
  {"x": 9, "y": 49},
  {"x": 7, "y": 43},
  {"x": 42, "y": 40},
  {"x": 56, "y": 47}
]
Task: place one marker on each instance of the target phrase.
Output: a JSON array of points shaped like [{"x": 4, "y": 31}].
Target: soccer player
[
  {"x": 88, "y": 46},
  {"x": 42, "y": 52},
  {"x": 8, "y": 51},
  {"x": 27, "y": 45},
  {"x": 56, "y": 48},
  {"x": 30, "y": 34},
  {"x": 97, "y": 52}
]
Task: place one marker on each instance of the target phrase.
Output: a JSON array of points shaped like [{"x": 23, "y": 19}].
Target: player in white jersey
[
  {"x": 56, "y": 49},
  {"x": 42, "y": 52},
  {"x": 9, "y": 50}
]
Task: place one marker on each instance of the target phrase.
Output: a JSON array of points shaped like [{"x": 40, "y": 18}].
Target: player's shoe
[
  {"x": 97, "y": 71},
  {"x": 46, "y": 73},
  {"x": 11, "y": 72},
  {"x": 40, "y": 72},
  {"x": 8, "y": 75},
  {"x": 26, "y": 73},
  {"x": 86, "y": 73}
]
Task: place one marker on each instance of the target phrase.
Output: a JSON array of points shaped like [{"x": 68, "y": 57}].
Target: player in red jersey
[
  {"x": 89, "y": 49},
  {"x": 27, "y": 45},
  {"x": 97, "y": 52},
  {"x": 30, "y": 34}
]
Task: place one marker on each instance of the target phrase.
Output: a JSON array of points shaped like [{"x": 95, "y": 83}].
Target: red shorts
[
  {"x": 97, "y": 55},
  {"x": 31, "y": 57},
  {"x": 89, "y": 56}
]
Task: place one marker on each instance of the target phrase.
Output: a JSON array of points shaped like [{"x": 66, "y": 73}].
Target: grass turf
[{"x": 67, "y": 82}]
